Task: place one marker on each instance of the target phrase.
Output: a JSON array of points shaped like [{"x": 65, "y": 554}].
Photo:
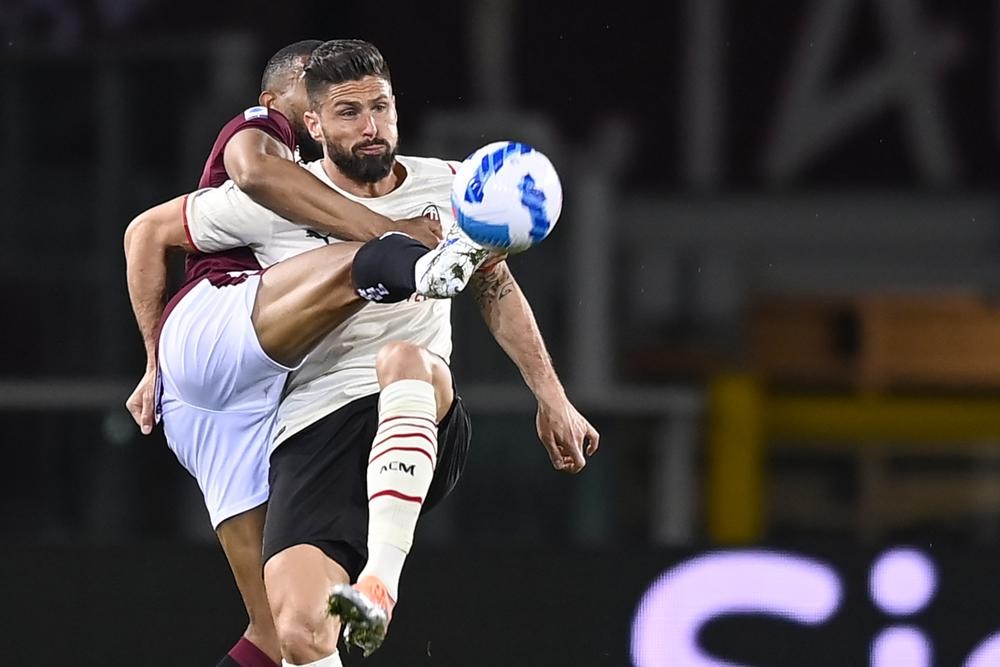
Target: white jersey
[{"x": 342, "y": 367}]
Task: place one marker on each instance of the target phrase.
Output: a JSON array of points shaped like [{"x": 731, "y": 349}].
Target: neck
[{"x": 379, "y": 188}]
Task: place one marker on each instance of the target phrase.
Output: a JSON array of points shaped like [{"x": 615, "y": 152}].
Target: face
[{"x": 356, "y": 123}]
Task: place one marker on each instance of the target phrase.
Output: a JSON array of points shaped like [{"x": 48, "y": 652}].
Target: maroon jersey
[
  {"x": 224, "y": 268},
  {"x": 262, "y": 118},
  {"x": 217, "y": 266}
]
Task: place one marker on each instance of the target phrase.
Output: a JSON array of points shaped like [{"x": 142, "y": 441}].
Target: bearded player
[{"x": 375, "y": 400}]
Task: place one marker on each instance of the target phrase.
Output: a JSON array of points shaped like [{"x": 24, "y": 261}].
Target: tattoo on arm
[{"x": 489, "y": 288}]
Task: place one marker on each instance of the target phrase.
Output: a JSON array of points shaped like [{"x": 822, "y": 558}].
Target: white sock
[
  {"x": 385, "y": 561},
  {"x": 328, "y": 661},
  {"x": 400, "y": 470}
]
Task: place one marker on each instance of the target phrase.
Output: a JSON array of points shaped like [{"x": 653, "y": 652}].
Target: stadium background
[{"x": 773, "y": 290}]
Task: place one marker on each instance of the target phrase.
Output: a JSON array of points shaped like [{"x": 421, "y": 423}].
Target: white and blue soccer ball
[{"x": 507, "y": 196}]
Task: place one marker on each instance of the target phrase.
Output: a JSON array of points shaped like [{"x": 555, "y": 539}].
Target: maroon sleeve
[{"x": 261, "y": 118}]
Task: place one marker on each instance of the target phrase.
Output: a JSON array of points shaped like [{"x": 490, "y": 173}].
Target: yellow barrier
[
  {"x": 735, "y": 464},
  {"x": 743, "y": 418}
]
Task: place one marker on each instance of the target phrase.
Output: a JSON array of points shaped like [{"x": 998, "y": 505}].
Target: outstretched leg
[{"x": 302, "y": 299}]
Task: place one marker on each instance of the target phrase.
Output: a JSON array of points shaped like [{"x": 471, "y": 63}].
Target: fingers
[
  {"x": 568, "y": 442},
  {"x": 142, "y": 413},
  {"x": 593, "y": 439},
  {"x": 434, "y": 231},
  {"x": 146, "y": 420},
  {"x": 561, "y": 461},
  {"x": 571, "y": 456},
  {"x": 555, "y": 455},
  {"x": 423, "y": 228},
  {"x": 576, "y": 457},
  {"x": 435, "y": 227},
  {"x": 430, "y": 238},
  {"x": 140, "y": 406},
  {"x": 564, "y": 458},
  {"x": 135, "y": 410}
]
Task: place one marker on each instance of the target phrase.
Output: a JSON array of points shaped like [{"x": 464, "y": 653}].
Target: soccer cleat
[
  {"x": 446, "y": 270},
  {"x": 365, "y": 609}
]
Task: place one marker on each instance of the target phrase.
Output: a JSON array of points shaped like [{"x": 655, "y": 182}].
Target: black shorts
[{"x": 318, "y": 480}]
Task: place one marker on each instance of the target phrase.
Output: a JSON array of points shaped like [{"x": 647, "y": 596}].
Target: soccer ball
[{"x": 507, "y": 196}]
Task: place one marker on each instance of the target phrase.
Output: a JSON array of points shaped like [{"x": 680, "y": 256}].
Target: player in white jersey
[{"x": 375, "y": 400}]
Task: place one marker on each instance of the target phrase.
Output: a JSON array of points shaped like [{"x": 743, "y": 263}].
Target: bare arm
[
  {"x": 148, "y": 239},
  {"x": 262, "y": 167},
  {"x": 508, "y": 315}
]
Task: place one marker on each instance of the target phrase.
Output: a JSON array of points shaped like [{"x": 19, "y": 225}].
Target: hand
[
  {"x": 424, "y": 229},
  {"x": 564, "y": 432},
  {"x": 142, "y": 401}
]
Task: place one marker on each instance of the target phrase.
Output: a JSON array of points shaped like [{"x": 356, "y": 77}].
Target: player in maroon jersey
[{"x": 256, "y": 149}]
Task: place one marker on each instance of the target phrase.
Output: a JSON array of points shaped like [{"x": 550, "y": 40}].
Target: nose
[{"x": 370, "y": 129}]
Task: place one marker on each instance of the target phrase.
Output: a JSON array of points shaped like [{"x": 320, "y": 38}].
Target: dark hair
[
  {"x": 284, "y": 61},
  {"x": 341, "y": 60}
]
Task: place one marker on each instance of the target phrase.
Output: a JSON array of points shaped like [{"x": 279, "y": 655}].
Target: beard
[{"x": 360, "y": 167}]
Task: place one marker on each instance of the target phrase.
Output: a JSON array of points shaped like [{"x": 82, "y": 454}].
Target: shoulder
[
  {"x": 429, "y": 167},
  {"x": 261, "y": 118},
  {"x": 429, "y": 182}
]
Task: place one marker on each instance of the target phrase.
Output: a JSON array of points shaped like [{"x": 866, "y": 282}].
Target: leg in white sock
[
  {"x": 400, "y": 470},
  {"x": 416, "y": 392}
]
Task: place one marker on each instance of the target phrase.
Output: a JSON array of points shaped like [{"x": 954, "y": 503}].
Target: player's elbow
[
  {"x": 139, "y": 228},
  {"x": 251, "y": 175},
  {"x": 161, "y": 227}
]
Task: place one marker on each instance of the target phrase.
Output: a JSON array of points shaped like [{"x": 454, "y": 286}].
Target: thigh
[
  {"x": 318, "y": 489},
  {"x": 209, "y": 354},
  {"x": 226, "y": 452},
  {"x": 302, "y": 299}
]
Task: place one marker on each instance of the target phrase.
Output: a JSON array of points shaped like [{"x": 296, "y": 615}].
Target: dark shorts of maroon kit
[{"x": 318, "y": 480}]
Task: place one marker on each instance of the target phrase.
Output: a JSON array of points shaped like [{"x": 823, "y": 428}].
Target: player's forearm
[
  {"x": 146, "y": 276},
  {"x": 509, "y": 317},
  {"x": 296, "y": 194}
]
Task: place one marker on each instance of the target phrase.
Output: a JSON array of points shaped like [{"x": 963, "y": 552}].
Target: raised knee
[
  {"x": 398, "y": 359},
  {"x": 397, "y": 350}
]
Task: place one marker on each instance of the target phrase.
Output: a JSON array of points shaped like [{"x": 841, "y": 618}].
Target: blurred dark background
[{"x": 773, "y": 289}]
